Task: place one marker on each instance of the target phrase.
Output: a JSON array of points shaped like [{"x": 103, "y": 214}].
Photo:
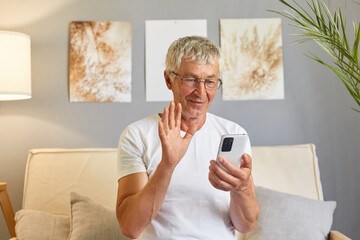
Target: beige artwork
[
  {"x": 252, "y": 59},
  {"x": 100, "y": 62}
]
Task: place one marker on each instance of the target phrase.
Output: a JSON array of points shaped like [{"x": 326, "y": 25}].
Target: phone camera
[{"x": 227, "y": 144}]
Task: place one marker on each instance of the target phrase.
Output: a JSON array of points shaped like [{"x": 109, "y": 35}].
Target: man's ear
[{"x": 168, "y": 80}]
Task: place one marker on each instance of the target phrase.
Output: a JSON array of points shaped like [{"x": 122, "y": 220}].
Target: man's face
[{"x": 195, "y": 101}]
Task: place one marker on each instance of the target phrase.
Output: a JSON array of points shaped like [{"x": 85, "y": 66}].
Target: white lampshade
[{"x": 15, "y": 66}]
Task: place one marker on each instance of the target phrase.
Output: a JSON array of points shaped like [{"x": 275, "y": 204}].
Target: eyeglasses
[{"x": 191, "y": 82}]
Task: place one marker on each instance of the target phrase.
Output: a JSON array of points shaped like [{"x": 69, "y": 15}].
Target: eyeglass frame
[{"x": 199, "y": 80}]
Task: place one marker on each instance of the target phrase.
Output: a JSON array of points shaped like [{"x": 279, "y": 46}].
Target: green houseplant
[{"x": 328, "y": 30}]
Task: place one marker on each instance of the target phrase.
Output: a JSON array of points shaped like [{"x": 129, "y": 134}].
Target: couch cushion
[
  {"x": 292, "y": 169},
  {"x": 290, "y": 217},
  {"x": 37, "y": 225},
  {"x": 51, "y": 174},
  {"x": 90, "y": 220}
]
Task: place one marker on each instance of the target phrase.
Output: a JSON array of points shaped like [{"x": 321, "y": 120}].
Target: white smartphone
[{"x": 232, "y": 147}]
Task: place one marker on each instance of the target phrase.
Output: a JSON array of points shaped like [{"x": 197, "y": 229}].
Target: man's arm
[
  {"x": 139, "y": 198},
  {"x": 244, "y": 209}
]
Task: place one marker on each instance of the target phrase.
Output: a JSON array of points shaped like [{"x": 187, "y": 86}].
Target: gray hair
[{"x": 193, "y": 48}]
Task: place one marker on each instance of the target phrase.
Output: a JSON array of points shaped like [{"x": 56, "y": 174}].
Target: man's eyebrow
[{"x": 190, "y": 74}]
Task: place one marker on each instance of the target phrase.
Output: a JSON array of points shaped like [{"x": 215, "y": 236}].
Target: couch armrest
[
  {"x": 7, "y": 209},
  {"x": 336, "y": 235}
]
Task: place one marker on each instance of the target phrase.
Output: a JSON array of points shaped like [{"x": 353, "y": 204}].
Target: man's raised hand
[{"x": 173, "y": 145}]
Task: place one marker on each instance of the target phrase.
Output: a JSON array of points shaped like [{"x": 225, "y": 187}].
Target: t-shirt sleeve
[{"x": 130, "y": 152}]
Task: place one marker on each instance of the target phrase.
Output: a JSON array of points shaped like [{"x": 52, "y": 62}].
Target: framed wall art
[
  {"x": 253, "y": 61},
  {"x": 100, "y": 62},
  {"x": 159, "y": 35}
]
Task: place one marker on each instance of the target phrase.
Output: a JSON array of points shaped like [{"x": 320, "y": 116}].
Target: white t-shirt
[{"x": 193, "y": 208}]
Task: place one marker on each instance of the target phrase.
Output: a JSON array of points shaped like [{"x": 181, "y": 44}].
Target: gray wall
[{"x": 316, "y": 109}]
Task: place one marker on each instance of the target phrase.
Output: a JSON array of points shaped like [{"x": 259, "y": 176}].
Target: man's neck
[{"x": 186, "y": 123}]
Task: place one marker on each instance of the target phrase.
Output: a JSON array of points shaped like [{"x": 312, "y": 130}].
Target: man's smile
[{"x": 196, "y": 102}]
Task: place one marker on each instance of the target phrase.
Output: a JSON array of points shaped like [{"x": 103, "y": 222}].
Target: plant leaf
[{"x": 329, "y": 32}]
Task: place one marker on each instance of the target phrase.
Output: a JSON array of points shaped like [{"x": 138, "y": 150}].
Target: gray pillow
[
  {"x": 289, "y": 217},
  {"x": 90, "y": 220},
  {"x": 38, "y": 225}
]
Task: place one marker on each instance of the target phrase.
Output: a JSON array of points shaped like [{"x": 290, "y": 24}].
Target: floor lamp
[{"x": 15, "y": 84}]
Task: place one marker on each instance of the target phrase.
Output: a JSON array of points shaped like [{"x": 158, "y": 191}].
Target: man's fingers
[
  {"x": 216, "y": 180},
  {"x": 233, "y": 170},
  {"x": 246, "y": 161},
  {"x": 235, "y": 175},
  {"x": 232, "y": 174},
  {"x": 172, "y": 115},
  {"x": 165, "y": 120},
  {"x": 215, "y": 185},
  {"x": 192, "y": 128},
  {"x": 190, "y": 131},
  {"x": 161, "y": 130},
  {"x": 178, "y": 115}
]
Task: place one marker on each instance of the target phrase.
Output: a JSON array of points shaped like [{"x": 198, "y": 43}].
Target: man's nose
[{"x": 201, "y": 87}]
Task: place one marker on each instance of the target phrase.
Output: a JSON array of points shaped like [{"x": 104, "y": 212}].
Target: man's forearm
[
  {"x": 244, "y": 209},
  {"x": 136, "y": 211}
]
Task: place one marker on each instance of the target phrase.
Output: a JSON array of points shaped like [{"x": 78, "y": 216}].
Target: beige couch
[{"x": 52, "y": 174}]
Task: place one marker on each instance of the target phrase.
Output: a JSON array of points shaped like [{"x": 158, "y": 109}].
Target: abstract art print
[
  {"x": 159, "y": 35},
  {"x": 100, "y": 62},
  {"x": 253, "y": 61}
]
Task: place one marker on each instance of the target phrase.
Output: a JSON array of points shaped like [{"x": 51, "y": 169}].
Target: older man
[{"x": 167, "y": 190}]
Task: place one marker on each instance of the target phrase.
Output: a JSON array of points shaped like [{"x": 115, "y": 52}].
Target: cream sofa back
[
  {"x": 51, "y": 174},
  {"x": 292, "y": 169}
]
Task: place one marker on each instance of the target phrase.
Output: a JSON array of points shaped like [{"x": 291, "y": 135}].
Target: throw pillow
[
  {"x": 90, "y": 220},
  {"x": 38, "y": 225},
  {"x": 290, "y": 217}
]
